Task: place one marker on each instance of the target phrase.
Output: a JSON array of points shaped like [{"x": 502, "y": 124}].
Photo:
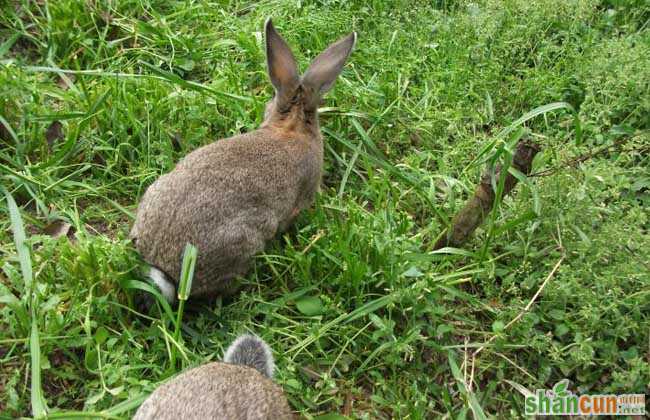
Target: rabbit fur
[
  {"x": 238, "y": 388},
  {"x": 230, "y": 197}
]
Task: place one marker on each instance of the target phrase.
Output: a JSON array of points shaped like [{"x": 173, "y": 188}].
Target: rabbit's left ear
[
  {"x": 323, "y": 71},
  {"x": 282, "y": 66}
]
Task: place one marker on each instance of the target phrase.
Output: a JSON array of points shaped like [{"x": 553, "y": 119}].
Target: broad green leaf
[
  {"x": 560, "y": 388},
  {"x": 310, "y": 305}
]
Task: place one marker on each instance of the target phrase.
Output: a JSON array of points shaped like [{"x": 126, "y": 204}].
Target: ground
[{"x": 99, "y": 98}]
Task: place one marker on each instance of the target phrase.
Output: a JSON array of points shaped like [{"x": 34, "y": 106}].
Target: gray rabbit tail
[{"x": 250, "y": 350}]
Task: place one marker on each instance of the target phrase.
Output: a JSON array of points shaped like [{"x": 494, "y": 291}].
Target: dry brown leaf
[
  {"x": 176, "y": 142},
  {"x": 4, "y": 133},
  {"x": 54, "y": 133},
  {"x": 66, "y": 81},
  {"x": 58, "y": 228},
  {"x": 311, "y": 373},
  {"x": 347, "y": 405}
]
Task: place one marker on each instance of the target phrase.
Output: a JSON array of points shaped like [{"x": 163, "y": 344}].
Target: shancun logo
[{"x": 561, "y": 401}]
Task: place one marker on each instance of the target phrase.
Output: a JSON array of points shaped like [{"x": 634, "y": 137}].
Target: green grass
[{"x": 364, "y": 319}]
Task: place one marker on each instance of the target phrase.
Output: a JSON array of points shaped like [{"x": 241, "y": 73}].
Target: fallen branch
[{"x": 480, "y": 205}]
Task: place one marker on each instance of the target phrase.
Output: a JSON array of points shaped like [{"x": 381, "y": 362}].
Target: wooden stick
[{"x": 480, "y": 205}]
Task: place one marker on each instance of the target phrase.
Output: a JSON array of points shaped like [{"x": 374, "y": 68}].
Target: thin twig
[
  {"x": 471, "y": 375},
  {"x": 465, "y": 364},
  {"x": 503, "y": 356},
  {"x": 582, "y": 158},
  {"x": 519, "y": 315}
]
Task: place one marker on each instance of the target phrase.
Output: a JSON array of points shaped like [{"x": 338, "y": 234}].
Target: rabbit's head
[{"x": 297, "y": 98}]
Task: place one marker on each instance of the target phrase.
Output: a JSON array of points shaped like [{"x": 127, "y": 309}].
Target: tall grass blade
[
  {"x": 9, "y": 129},
  {"x": 159, "y": 75},
  {"x": 534, "y": 113},
  {"x": 6, "y": 46},
  {"x": 187, "y": 272},
  {"x": 462, "y": 387},
  {"x": 370, "y": 307},
  {"x": 140, "y": 285},
  {"x": 86, "y": 415},
  {"x": 39, "y": 408},
  {"x": 127, "y": 405},
  {"x": 19, "y": 239},
  {"x": 522, "y": 389},
  {"x": 172, "y": 78},
  {"x": 184, "y": 288},
  {"x": 527, "y": 117}
]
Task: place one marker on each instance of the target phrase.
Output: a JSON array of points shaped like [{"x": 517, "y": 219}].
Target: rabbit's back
[
  {"x": 227, "y": 198},
  {"x": 216, "y": 391}
]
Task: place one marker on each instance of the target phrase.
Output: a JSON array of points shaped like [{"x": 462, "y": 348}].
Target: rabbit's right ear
[
  {"x": 323, "y": 71},
  {"x": 282, "y": 66}
]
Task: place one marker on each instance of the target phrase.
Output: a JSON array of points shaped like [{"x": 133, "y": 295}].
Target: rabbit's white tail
[
  {"x": 250, "y": 350},
  {"x": 167, "y": 288}
]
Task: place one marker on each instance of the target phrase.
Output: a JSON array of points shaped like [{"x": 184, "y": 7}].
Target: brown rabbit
[
  {"x": 230, "y": 197},
  {"x": 240, "y": 388}
]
